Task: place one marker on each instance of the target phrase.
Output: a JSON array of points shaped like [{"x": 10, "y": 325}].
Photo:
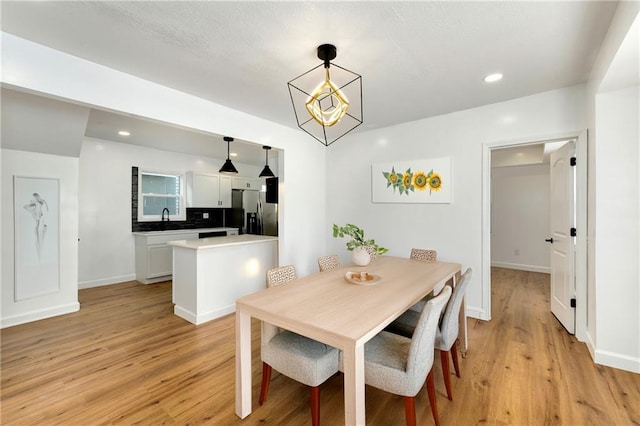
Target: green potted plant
[{"x": 363, "y": 250}]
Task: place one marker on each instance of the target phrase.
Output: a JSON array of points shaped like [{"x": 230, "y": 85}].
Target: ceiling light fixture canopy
[
  {"x": 228, "y": 166},
  {"x": 327, "y": 105},
  {"x": 266, "y": 172}
]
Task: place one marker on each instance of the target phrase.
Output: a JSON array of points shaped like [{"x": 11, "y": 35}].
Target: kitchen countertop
[
  {"x": 231, "y": 240},
  {"x": 183, "y": 231}
]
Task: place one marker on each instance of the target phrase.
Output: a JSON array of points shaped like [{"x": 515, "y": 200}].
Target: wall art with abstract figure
[
  {"x": 415, "y": 181},
  {"x": 36, "y": 236}
]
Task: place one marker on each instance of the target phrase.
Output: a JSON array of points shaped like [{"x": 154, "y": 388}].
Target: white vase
[{"x": 360, "y": 256}]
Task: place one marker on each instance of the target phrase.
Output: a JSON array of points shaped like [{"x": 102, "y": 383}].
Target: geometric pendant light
[
  {"x": 228, "y": 166},
  {"x": 266, "y": 172},
  {"x": 327, "y": 99}
]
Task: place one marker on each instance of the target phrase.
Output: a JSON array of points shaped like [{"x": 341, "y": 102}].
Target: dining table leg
[
  {"x": 243, "y": 364},
  {"x": 354, "y": 405}
]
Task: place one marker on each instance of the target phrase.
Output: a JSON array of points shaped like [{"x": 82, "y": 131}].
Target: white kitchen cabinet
[
  {"x": 154, "y": 257},
  {"x": 247, "y": 183},
  {"x": 159, "y": 258},
  {"x": 208, "y": 190},
  {"x": 224, "y": 193}
]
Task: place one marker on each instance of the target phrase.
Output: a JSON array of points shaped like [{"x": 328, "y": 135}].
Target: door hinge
[
  {"x": 573, "y": 303},
  {"x": 574, "y": 232},
  {"x": 573, "y": 161}
]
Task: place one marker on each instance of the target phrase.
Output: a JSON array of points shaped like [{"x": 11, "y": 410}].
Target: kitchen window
[{"x": 157, "y": 191}]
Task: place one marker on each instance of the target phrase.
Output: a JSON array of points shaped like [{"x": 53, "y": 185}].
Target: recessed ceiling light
[
  {"x": 124, "y": 133},
  {"x": 491, "y": 78},
  {"x": 233, "y": 154}
]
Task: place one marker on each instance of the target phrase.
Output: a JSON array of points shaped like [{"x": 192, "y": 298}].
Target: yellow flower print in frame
[
  {"x": 393, "y": 179},
  {"x": 414, "y": 181},
  {"x": 420, "y": 180},
  {"x": 407, "y": 181},
  {"x": 435, "y": 183}
]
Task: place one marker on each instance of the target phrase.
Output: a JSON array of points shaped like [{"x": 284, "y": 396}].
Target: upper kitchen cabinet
[
  {"x": 246, "y": 183},
  {"x": 224, "y": 193},
  {"x": 208, "y": 190}
]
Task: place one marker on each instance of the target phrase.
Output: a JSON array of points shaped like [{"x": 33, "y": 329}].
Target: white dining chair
[
  {"x": 401, "y": 365},
  {"x": 302, "y": 359},
  {"x": 447, "y": 333}
]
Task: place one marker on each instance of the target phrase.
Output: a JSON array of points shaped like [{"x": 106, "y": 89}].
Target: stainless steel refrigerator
[{"x": 251, "y": 214}]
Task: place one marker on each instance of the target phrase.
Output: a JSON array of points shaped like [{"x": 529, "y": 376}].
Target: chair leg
[
  {"x": 410, "y": 410},
  {"x": 431, "y": 390},
  {"x": 266, "y": 378},
  {"x": 454, "y": 355},
  {"x": 315, "y": 405},
  {"x": 446, "y": 372}
]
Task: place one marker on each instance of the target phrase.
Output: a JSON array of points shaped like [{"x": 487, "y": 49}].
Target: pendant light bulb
[{"x": 327, "y": 104}]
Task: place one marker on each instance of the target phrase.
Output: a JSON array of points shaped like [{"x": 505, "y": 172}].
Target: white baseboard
[
  {"x": 477, "y": 313},
  {"x": 220, "y": 312},
  {"x": 39, "y": 315},
  {"x": 202, "y": 318},
  {"x": 522, "y": 267},
  {"x": 107, "y": 281},
  {"x": 185, "y": 314},
  {"x": 616, "y": 360},
  {"x": 590, "y": 345}
]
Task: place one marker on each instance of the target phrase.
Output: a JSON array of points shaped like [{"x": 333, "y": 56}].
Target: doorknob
[{"x": 549, "y": 240}]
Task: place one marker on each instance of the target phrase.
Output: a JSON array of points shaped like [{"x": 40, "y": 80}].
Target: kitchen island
[
  {"x": 154, "y": 257},
  {"x": 209, "y": 274}
]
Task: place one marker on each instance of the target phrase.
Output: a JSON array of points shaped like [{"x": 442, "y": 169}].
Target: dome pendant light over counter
[
  {"x": 228, "y": 166},
  {"x": 266, "y": 172},
  {"x": 327, "y": 105}
]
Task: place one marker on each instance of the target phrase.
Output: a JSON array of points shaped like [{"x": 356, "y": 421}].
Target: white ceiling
[{"x": 417, "y": 59}]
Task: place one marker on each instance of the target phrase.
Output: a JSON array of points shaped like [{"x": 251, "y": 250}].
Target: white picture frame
[
  {"x": 415, "y": 181},
  {"x": 36, "y": 203}
]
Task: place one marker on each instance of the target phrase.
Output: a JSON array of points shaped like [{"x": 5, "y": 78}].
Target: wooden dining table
[{"x": 326, "y": 307}]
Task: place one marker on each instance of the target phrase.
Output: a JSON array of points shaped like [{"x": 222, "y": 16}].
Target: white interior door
[{"x": 562, "y": 242}]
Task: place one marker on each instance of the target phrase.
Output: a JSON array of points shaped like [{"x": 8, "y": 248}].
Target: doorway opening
[{"x": 506, "y": 243}]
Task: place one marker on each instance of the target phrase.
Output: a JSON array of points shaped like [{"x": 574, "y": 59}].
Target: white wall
[
  {"x": 65, "y": 300},
  {"x": 455, "y": 229},
  {"x": 106, "y": 244},
  {"x": 520, "y": 218},
  {"x": 618, "y": 228},
  {"x": 610, "y": 341}
]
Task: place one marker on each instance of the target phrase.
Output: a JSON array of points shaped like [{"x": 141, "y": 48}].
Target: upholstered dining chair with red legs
[
  {"x": 447, "y": 333},
  {"x": 424, "y": 255},
  {"x": 400, "y": 365},
  {"x": 302, "y": 359}
]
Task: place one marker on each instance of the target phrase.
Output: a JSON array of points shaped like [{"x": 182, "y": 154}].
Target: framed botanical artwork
[
  {"x": 36, "y": 204},
  {"x": 415, "y": 181}
]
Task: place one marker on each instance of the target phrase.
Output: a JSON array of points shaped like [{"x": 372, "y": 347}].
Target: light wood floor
[{"x": 126, "y": 359}]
